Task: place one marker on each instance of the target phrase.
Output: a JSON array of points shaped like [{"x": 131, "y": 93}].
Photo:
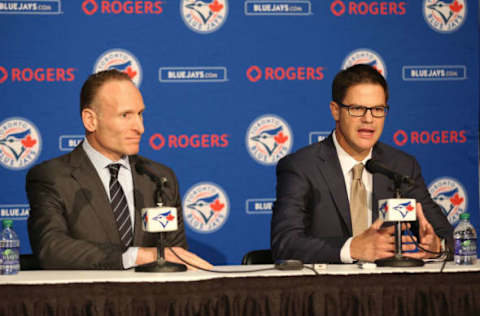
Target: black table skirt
[{"x": 421, "y": 294}]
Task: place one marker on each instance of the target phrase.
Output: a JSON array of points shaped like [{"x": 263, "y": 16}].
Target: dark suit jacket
[
  {"x": 311, "y": 216},
  {"x": 71, "y": 223}
]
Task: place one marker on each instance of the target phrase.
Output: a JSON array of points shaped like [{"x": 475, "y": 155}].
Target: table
[{"x": 336, "y": 290}]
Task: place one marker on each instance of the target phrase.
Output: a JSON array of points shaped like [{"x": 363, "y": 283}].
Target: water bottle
[
  {"x": 465, "y": 241},
  {"x": 9, "y": 249}
]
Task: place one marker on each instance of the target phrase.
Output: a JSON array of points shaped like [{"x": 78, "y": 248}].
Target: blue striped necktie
[{"x": 119, "y": 204}]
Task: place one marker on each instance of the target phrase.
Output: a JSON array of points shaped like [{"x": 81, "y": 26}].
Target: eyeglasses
[{"x": 360, "y": 110}]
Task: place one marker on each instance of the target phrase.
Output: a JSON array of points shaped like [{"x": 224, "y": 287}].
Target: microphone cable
[
  {"x": 438, "y": 253},
  {"x": 234, "y": 271}
]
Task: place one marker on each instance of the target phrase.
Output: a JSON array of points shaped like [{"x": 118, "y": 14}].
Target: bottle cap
[
  {"x": 7, "y": 223},
  {"x": 464, "y": 216}
]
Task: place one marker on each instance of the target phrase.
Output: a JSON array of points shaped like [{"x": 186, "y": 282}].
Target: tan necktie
[{"x": 358, "y": 201}]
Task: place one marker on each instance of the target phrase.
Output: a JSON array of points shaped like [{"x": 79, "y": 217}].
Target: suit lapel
[
  {"x": 91, "y": 186},
  {"x": 332, "y": 173}
]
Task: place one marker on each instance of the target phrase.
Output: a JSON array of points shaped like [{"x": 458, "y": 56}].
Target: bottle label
[
  {"x": 465, "y": 247},
  {"x": 9, "y": 256}
]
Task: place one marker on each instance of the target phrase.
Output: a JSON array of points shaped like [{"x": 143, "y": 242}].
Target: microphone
[
  {"x": 374, "y": 166},
  {"x": 396, "y": 210},
  {"x": 159, "y": 219},
  {"x": 141, "y": 168}
]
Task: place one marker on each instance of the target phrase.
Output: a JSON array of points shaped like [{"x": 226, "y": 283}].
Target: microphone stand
[
  {"x": 398, "y": 260},
  {"x": 161, "y": 265}
]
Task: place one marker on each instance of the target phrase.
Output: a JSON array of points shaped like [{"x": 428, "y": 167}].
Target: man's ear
[
  {"x": 335, "y": 109},
  {"x": 89, "y": 119}
]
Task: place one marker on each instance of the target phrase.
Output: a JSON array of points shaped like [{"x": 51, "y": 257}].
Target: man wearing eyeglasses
[{"x": 327, "y": 202}]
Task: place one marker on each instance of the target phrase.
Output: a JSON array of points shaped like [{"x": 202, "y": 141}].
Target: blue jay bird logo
[
  {"x": 450, "y": 196},
  {"x": 404, "y": 208},
  {"x": 19, "y": 143},
  {"x": 206, "y": 207},
  {"x": 448, "y": 200},
  {"x": 446, "y": 10},
  {"x": 204, "y": 16},
  {"x": 383, "y": 209},
  {"x": 444, "y": 16},
  {"x": 268, "y": 139},
  {"x": 164, "y": 218}
]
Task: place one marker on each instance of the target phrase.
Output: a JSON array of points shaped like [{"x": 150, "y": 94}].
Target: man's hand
[
  {"x": 428, "y": 239},
  {"x": 147, "y": 255},
  {"x": 374, "y": 243},
  {"x": 188, "y": 257}
]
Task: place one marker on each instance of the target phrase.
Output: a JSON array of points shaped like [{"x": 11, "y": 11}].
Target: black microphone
[
  {"x": 374, "y": 166},
  {"x": 141, "y": 168}
]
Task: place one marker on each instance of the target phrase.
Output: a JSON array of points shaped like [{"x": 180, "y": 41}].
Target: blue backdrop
[{"x": 232, "y": 86}]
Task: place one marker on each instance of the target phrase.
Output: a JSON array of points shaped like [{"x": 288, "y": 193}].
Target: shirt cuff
[
  {"x": 345, "y": 256},
  {"x": 129, "y": 257}
]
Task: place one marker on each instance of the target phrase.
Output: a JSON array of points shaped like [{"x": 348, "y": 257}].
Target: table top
[{"x": 92, "y": 276}]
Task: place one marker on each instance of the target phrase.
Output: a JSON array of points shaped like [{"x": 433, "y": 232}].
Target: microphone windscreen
[{"x": 159, "y": 219}]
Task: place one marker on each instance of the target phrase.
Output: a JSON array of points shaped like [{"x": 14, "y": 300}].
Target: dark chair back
[
  {"x": 263, "y": 256},
  {"x": 29, "y": 262}
]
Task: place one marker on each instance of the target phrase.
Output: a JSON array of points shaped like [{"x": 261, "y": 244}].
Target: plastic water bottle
[
  {"x": 465, "y": 241},
  {"x": 9, "y": 249}
]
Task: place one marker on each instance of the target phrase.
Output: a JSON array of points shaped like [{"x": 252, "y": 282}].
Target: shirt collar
[
  {"x": 347, "y": 162},
  {"x": 99, "y": 160}
]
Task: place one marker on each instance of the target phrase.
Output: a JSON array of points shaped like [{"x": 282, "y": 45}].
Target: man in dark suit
[
  {"x": 85, "y": 205},
  {"x": 315, "y": 217}
]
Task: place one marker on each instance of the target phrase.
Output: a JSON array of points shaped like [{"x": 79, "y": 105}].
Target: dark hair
[
  {"x": 95, "y": 82},
  {"x": 354, "y": 75}
]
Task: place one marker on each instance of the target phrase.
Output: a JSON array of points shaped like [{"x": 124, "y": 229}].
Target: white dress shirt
[
  {"x": 347, "y": 163},
  {"x": 100, "y": 162}
]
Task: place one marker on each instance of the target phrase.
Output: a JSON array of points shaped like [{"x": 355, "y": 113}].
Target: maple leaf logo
[
  {"x": 456, "y": 7},
  {"x": 409, "y": 208},
  {"x": 170, "y": 217},
  {"x": 216, "y": 7},
  {"x": 130, "y": 72},
  {"x": 28, "y": 142},
  {"x": 217, "y": 206},
  {"x": 280, "y": 138},
  {"x": 456, "y": 199}
]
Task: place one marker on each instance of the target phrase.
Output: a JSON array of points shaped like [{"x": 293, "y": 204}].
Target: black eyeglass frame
[{"x": 365, "y": 109}]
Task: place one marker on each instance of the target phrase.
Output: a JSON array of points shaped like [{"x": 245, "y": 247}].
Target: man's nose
[
  {"x": 368, "y": 117},
  {"x": 138, "y": 125}
]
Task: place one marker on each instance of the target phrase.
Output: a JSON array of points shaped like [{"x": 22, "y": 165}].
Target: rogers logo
[
  {"x": 37, "y": 74},
  {"x": 158, "y": 141},
  {"x": 3, "y": 74},
  {"x": 90, "y": 7},
  {"x": 255, "y": 73},
  {"x": 339, "y": 7},
  {"x": 426, "y": 137}
]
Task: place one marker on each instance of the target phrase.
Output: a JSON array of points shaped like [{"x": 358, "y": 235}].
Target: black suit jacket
[
  {"x": 71, "y": 223},
  {"x": 311, "y": 215}
]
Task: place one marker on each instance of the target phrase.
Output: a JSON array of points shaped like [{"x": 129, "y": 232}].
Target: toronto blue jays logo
[
  {"x": 204, "y": 16},
  {"x": 449, "y": 194},
  {"x": 365, "y": 56},
  {"x": 206, "y": 207},
  {"x": 403, "y": 208},
  {"x": 20, "y": 143},
  {"x": 383, "y": 209},
  {"x": 121, "y": 60},
  {"x": 163, "y": 218},
  {"x": 444, "y": 16},
  {"x": 268, "y": 139}
]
